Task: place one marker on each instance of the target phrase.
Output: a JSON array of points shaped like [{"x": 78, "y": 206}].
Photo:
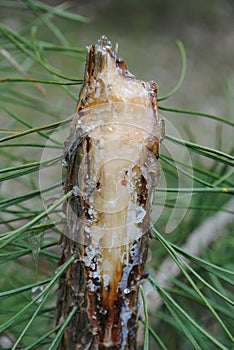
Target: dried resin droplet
[{"x": 35, "y": 292}]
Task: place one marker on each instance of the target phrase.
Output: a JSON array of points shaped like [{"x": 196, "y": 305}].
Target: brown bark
[{"x": 112, "y": 167}]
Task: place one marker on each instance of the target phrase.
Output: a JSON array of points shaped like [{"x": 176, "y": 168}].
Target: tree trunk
[{"x": 112, "y": 167}]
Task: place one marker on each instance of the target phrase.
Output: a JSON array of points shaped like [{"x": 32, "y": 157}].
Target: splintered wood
[{"x": 111, "y": 157}]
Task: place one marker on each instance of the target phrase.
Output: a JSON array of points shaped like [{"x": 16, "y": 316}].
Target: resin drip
[{"x": 35, "y": 242}]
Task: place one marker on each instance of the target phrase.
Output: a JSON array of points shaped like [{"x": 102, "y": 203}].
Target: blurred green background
[{"x": 146, "y": 32}]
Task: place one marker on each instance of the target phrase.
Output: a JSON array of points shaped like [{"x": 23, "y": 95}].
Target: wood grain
[{"x": 112, "y": 168}]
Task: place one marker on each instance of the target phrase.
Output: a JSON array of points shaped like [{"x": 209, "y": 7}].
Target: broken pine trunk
[{"x": 111, "y": 157}]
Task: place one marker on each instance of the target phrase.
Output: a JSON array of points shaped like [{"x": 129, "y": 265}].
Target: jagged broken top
[{"x": 107, "y": 80}]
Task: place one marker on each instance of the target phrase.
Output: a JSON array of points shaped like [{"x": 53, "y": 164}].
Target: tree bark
[{"x": 111, "y": 157}]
